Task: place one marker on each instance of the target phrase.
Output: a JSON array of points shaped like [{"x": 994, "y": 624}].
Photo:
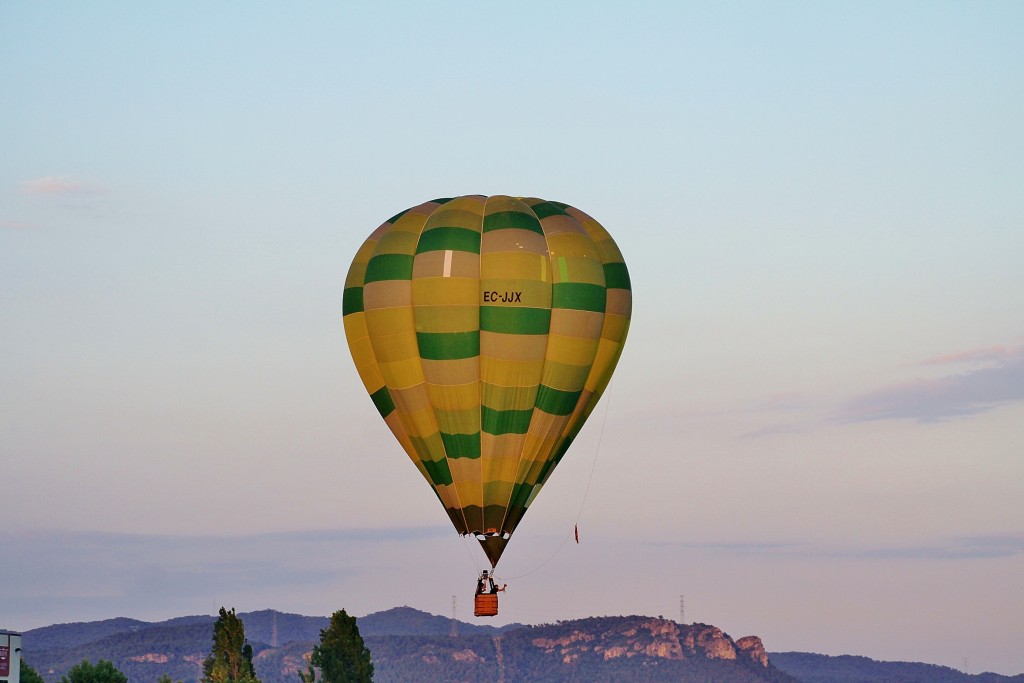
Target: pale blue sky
[{"x": 817, "y": 428}]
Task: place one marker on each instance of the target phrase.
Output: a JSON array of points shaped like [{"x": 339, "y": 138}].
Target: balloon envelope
[{"x": 485, "y": 330}]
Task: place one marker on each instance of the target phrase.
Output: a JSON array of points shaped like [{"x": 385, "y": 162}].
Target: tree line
[{"x": 340, "y": 657}]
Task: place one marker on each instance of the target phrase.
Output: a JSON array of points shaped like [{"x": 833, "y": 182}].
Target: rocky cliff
[
  {"x": 596, "y": 649},
  {"x": 612, "y": 638}
]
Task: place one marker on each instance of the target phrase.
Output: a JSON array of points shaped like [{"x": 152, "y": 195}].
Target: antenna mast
[{"x": 453, "y": 631}]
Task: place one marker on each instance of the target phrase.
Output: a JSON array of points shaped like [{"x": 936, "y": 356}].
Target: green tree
[
  {"x": 309, "y": 676},
  {"x": 28, "y": 674},
  {"x": 230, "y": 659},
  {"x": 341, "y": 656},
  {"x": 104, "y": 671}
]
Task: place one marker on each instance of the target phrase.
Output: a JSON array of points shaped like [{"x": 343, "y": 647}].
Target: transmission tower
[
  {"x": 453, "y": 631},
  {"x": 682, "y": 609}
]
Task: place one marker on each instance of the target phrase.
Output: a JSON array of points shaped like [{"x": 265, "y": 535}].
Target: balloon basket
[{"x": 485, "y": 605}]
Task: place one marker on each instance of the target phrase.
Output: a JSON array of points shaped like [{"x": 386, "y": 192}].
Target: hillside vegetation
[{"x": 408, "y": 645}]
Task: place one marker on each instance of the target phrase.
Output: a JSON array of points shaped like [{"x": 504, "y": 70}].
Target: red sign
[{"x": 5, "y": 661}]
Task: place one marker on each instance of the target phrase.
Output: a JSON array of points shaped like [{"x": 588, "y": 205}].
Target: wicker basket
[{"x": 485, "y": 605}]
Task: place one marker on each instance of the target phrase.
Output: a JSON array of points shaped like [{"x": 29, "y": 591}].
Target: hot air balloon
[{"x": 485, "y": 330}]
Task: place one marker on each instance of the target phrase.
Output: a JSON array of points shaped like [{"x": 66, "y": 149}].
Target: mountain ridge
[{"x": 411, "y": 645}]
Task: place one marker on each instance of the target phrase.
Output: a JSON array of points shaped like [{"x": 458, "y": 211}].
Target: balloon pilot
[
  {"x": 485, "y": 601},
  {"x": 485, "y": 584}
]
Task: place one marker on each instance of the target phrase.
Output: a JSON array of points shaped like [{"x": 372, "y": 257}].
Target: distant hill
[
  {"x": 269, "y": 627},
  {"x": 406, "y": 621},
  {"x": 812, "y": 668},
  {"x": 70, "y": 635},
  {"x": 176, "y": 647},
  {"x": 143, "y": 653},
  {"x": 408, "y": 645}
]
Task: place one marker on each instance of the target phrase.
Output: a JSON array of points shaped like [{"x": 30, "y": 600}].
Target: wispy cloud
[
  {"x": 956, "y": 548},
  {"x": 16, "y": 225},
  {"x": 963, "y": 548},
  {"x": 66, "y": 196},
  {"x": 995, "y": 379},
  {"x": 969, "y": 382},
  {"x": 741, "y": 547},
  {"x": 982, "y": 355},
  {"x": 775, "y": 430},
  {"x": 60, "y": 186}
]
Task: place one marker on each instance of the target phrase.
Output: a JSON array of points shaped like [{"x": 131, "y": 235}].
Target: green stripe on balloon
[
  {"x": 616, "y": 276},
  {"x": 389, "y": 267},
  {"x": 515, "y": 320},
  {"x": 503, "y": 220},
  {"x": 352, "y": 301},
  {"x": 556, "y": 401},
  {"x": 498, "y": 422},
  {"x": 461, "y": 445},
  {"x": 581, "y": 296},
  {"x": 448, "y": 345},
  {"x": 438, "y": 471},
  {"x": 449, "y": 238},
  {"x": 545, "y": 209},
  {"x": 382, "y": 401}
]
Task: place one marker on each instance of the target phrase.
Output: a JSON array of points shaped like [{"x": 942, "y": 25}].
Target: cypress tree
[
  {"x": 230, "y": 660},
  {"x": 342, "y": 656}
]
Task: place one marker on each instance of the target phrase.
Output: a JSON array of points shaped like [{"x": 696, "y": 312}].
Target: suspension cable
[{"x": 586, "y": 492}]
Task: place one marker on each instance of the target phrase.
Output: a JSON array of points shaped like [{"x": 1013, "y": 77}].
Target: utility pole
[{"x": 453, "y": 631}]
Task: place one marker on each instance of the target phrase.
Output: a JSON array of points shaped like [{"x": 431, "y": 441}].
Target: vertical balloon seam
[
  {"x": 586, "y": 404},
  {"x": 460, "y": 509},
  {"x": 522, "y": 446},
  {"x": 490, "y": 528},
  {"x": 520, "y": 477},
  {"x": 620, "y": 281},
  {"x": 560, "y": 444},
  {"x": 480, "y": 459},
  {"x": 418, "y": 446},
  {"x": 390, "y": 387},
  {"x": 444, "y": 446},
  {"x": 458, "y": 497},
  {"x": 479, "y": 386},
  {"x": 501, "y": 530},
  {"x": 507, "y": 337},
  {"x": 575, "y": 417}
]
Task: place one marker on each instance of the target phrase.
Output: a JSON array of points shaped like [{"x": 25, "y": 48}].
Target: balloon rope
[
  {"x": 541, "y": 565},
  {"x": 597, "y": 452},
  {"x": 473, "y": 559},
  {"x": 586, "y": 492}
]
